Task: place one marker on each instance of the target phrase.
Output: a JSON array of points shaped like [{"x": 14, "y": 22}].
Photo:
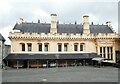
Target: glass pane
[
  {"x": 103, "y": 49},
  {"x": 59, "y": 47},
  {"x": 23, "y": 47},
  {"x": 108, "y": 49},
  {"x": 111, "y": 49},
  {"x": 100, "y": 49},
  {"x": 111, "y": 56},
  {"x": 46, "y": 47},
  {"x": 104, "y": 56},
  {"x": 108, "y": 56},
  {"x": 75, "y": 48},
  {"x": 81, "y": 47},
  {"x": 40, "y": 47},
  {"x": 65, "y": 47},
  {"x": 29, "y": 47}
]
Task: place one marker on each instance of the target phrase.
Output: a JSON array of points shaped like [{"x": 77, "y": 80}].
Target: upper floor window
[
  {"x": 40, "y": 47},
  {"x": 29, "y": 47},
  {"x": 75, "y": 47},
  {"x": 65, "y": 47},
  {"x": 46, "y": 47},
  {"x": 81, "y": 47},
  {"x": 59, "y": 47},
  {"x": 23, "y": 46}
]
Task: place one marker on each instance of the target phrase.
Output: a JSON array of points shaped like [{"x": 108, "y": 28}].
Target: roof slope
[
  {"x": 1, "y": 37},
  {"x": 51, "y": 56},
  {"x": 61, "y": 28}
]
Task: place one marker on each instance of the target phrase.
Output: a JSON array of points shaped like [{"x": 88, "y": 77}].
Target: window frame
[
  {"x": 29, "y": 45},
  {"x": 59, "y": 47}
]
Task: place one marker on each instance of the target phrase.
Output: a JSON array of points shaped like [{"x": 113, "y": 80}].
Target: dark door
[{"x": 25, "y": 64}]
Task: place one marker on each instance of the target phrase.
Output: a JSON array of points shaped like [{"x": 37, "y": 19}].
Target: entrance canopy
[
  {"x": 51, "y": 56},
  {"x": 99, "y": 59}
]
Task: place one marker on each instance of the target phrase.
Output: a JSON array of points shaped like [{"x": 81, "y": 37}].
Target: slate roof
[
  {"x": 1, "y": 37},
  {"x": 51, "y": 56},
  {"x": 61, "y": 28}
]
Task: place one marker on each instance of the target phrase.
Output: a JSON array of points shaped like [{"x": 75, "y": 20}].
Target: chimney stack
[
  {"x": 108, "y": 23},
  {"x": 53, "y": 28},
  {"x": 20, "y": 21},
  {"x": 86, "y": 29}
]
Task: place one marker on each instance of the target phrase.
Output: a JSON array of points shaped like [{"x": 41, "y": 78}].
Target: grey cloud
[{"x": 68, "y": 12}]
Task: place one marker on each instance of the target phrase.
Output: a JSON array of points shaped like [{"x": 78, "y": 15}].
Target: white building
[{"x": 35, "y": 44}]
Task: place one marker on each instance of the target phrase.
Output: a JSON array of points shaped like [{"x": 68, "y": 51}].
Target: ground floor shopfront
[{"x": 49, "y": 60}]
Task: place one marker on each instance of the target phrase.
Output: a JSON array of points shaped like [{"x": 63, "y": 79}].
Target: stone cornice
[{"x": 63, "y": 36}]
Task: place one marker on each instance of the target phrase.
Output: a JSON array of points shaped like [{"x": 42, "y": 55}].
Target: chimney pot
[
  {"x": 20, "y": 21},
  {"x": 108, "y": 23}
]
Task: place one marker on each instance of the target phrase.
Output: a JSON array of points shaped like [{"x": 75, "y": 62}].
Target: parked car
[
  {"x": 53, "y": 65},
  {"x": 44, "y": 65}
]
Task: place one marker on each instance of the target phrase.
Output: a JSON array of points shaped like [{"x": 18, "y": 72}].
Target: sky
[{"x": 68, "y": 11}]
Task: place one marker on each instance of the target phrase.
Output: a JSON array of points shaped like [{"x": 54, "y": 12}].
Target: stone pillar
[
  {"x": 114, "y": 55},
  {"x": 62, "y": 47},
  {"x": 78, "y": 47},
  {"x": 98, "y": 50},
  {"x": 102, "y": 51},
  {"x": 106, "y": 52},
  {"x": 26, "y": 47}
]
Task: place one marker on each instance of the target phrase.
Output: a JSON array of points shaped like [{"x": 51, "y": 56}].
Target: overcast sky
[{"x": 68, "y": 11}]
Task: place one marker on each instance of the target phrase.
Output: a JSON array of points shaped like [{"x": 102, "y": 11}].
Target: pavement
[{"x": 62, "y": 74}]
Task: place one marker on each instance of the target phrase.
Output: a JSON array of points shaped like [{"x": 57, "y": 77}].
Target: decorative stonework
[{"x": 63, "y": 36}]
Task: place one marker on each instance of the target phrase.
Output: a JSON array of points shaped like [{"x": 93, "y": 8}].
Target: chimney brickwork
[
  {"x": 53, "y": 28},
  {"x": 86, "y": 29}
]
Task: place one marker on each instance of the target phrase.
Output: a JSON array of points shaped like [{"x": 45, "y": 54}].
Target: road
[{"x": 62, "y": 74}]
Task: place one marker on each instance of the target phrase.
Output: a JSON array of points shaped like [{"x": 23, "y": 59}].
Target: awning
[
  {"x": 99, "y": 59},
  {"x": 51, "y": 56}
]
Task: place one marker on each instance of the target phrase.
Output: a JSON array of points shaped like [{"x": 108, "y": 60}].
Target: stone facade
[{"x": 2, "y": 47}]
